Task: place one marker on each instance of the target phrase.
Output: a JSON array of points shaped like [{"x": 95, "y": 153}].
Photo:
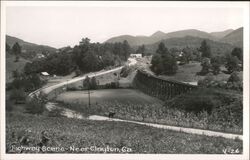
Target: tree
[
  {"x": 35, "y": 80},
  {"x": 16, "y": 50},
  {"x": 232, "y": 63},
  {"x": 126, "y": 49},
  {"x": 90, "y": 61},
  {"x": 215, "y": 65},
  {"x": 169, "y": 65},
  {"x": 238, "y": 53},
  {"x": 108, "y": 59},
  {"x": 205, "y": 49},
  {"x": 156, "y": 66},
  {"x": 205, "y": 66},
  {"x": 86, "y": 83},
  {"x": 93, "y": 83},
  {"x": 163, "y": 62},
  {"x": 141, "y": 49},
  {"x": 187, "y": 55},
  {"x": 162, "y": 50},
  {"x": 7, "y": 48}
]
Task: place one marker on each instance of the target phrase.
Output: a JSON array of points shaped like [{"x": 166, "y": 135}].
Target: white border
[{"x": 243, "y": 5}]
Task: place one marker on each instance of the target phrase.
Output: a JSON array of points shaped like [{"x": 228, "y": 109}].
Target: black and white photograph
[{"x": 124, "y": 80}]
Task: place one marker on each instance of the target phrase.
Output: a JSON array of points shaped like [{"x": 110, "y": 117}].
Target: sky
[{"x": 61, "y": 26}]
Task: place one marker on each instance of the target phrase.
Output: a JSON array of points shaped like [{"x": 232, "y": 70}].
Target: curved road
[{"x": 48, "y": 89}]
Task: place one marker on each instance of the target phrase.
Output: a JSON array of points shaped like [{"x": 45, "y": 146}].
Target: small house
[{"x": 136, "y": 55}]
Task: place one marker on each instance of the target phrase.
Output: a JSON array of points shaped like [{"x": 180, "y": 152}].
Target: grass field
[
  {"x": 65, "y": 133},
  {"x": 123, "y": 96},
  {"x": 188, "y": 73}
]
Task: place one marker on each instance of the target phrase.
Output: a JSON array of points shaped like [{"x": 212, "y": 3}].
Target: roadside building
[{"x": 136, "y": 55}]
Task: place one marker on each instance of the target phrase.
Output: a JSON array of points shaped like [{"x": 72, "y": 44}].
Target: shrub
[
  {"x": 72, "y": 88},
  {"x": 230, "y": 108},
  {"x": 112, "y": 85},
  {"x": 207, "y": 81},
  {"x": 18, "y": 96},
  {"x": 234, "y": 86},
  {"x": 216, "y": 64},
  {"x": 205, "y": 67},
  {"x": 9, "y": 106},
  {"x": 125, "y": 71},
  {"x": 234, "y": 82},
  {"x": 234, "y": 78},
  {"x": 55, "y": 112},
  {"x": 195, "y": 101},
  {"x": 36, "y": 105}
]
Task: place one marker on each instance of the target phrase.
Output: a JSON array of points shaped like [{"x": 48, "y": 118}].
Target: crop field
[
  {"x": 124, "y": 96},
  {"x": 64, "y": 133},
  {"x": 133, "y": 105}
]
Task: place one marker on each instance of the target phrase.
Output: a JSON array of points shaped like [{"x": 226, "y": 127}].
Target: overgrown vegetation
[
  {"x": 29, "y": 130},
  {"x": 233, "y": 83}
]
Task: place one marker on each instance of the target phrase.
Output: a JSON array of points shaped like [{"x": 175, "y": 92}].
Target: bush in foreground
[{"x": 36, "y": 105}]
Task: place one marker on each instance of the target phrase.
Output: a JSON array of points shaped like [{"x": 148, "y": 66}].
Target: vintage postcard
[{"x": 124, "y": 80}]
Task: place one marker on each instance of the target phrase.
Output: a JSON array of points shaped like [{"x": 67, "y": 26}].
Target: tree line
[
  {"x": 83, "y": 58},
  {"x": 165, "y": 60}
]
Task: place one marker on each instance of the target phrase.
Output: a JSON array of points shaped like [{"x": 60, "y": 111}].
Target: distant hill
[
  {"x": 221, "y": 34},
  {"x": 29, "y": 50},
  {"x": 192, "y": 42},
  {"x": 235, "y": 38},
  {"x": 159, "y": 35},
  {"x": 132, "y": 40},
  {"x": 190, "y": 32}
]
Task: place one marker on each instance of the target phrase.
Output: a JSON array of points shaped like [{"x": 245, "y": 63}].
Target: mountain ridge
[
  {"x": 235, "y": 37},
  {"x": 29, "y": 50},
  {"x": 159, "y": 35}
]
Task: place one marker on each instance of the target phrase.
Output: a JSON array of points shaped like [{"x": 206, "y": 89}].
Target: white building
[
  {"x": 40, "y": 55},
  {"x": 136, "y": 55},
  {"x": 45, "y": 73}
]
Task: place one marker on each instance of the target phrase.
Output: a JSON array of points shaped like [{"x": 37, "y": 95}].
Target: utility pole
[
  {"x": 86, "y": 82},
  {"x": 89, "y": 96},
  {"x": 67, "y": 84}
]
